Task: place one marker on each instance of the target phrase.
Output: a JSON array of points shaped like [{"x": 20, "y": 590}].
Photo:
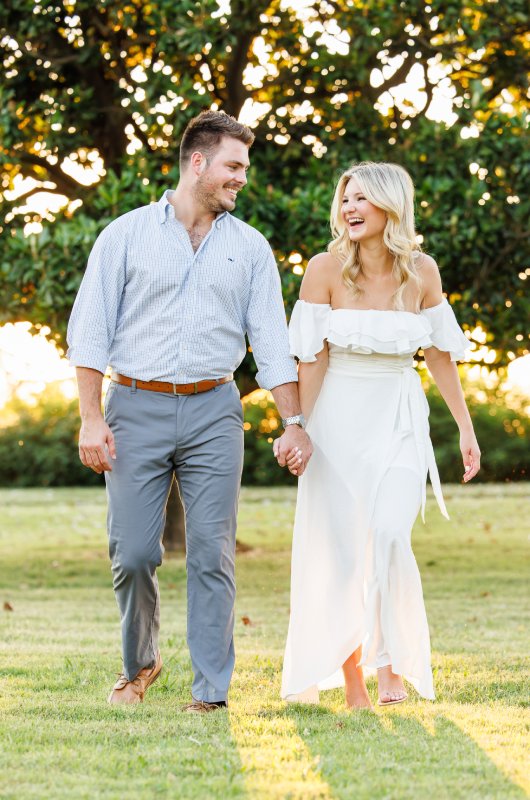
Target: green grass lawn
[{"x": 59, "y": 651}]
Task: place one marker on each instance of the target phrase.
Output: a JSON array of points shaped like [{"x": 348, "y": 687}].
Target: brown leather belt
[{"x": 172, "y": 388}]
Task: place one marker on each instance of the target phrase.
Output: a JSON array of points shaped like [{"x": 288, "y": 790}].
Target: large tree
[
  {"x": 118, "y": 81},
  {"x": 111, "y": 85}
]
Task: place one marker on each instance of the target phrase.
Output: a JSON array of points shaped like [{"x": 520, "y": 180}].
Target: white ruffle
[
  {"x": 446, "y": 334},
  {"x": 308, "y": 329},
  {"x": 373, "y": 331}
]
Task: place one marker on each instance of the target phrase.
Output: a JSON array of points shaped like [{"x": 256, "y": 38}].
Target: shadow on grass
[
  {"x": 64, "y": 740},
  {"x": 366, "y": 755}
]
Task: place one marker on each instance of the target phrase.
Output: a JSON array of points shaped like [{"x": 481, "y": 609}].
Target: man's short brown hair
[{"x": 204, "y": 133}]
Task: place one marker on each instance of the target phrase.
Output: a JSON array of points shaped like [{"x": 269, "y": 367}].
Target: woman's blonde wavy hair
[{"x": 389, "y": 187}]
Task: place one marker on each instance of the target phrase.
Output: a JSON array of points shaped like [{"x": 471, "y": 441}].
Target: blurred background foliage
[
  {"x": 38, "y": 445},
  {"x": 95, "y": 95}
]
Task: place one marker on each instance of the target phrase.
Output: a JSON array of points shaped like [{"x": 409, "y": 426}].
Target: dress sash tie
[{"x": 412, "y": 410}]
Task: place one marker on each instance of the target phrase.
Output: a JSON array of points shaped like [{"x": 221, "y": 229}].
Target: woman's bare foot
[
  {"x": 390, "y": 686},
  {"x": 356, "y": 693},
  {"x": 357, "y": 697}
]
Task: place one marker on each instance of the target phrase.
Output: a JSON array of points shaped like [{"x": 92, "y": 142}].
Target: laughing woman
[{"x": 365, "y": 307}]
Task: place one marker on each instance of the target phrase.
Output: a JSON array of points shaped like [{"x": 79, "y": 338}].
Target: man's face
[{"x": 217, "y": 185}]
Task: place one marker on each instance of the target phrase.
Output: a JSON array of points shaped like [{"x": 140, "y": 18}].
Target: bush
[
  {"x": 502, "y": 433},
  {"x": 39, "y": 446},
  {"x": 262, "y": 425}
]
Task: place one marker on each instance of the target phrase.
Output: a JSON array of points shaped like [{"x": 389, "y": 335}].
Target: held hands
[
  {"x": 470, "y": 455},
  {"x": 293, "y": 449},
  {"x": 96, "y": 445}
]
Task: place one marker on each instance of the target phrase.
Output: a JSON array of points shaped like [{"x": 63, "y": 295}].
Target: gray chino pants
[{"x": 199, "y": 438}]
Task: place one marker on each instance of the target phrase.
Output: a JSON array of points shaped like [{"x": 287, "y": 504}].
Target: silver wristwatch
[{"x": 299, "y": 419}]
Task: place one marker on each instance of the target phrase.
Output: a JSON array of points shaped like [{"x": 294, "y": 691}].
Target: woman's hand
[
  {"x": 470, "y": 455},
  {"x": 294, "y": 457}
]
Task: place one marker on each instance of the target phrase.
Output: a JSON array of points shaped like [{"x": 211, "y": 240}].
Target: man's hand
[
  {"x": 96, "y": 445},
  {"x": 293, "y": 449}
]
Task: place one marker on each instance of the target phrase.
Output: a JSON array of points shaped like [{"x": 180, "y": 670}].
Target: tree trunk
[{"x": 174, "y": 538}]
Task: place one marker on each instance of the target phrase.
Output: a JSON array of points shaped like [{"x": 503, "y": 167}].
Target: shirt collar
[
  {"x": 166, "y": 211},
  {"x": 164, "y": 206}
]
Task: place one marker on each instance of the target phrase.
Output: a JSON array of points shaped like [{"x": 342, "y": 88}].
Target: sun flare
[{"x": 29, "y": 363}]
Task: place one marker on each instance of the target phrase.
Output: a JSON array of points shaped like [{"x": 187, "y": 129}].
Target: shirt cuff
[
  {"x": 90, "y": 359},
  {"x": 275, "y": 374}
]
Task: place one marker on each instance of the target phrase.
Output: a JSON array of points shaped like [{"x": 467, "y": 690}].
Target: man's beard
[{"x": 204, "y": 194}]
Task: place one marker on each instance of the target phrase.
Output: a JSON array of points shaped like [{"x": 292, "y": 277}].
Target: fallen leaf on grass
[
  {"x": 8, "y": 606},
  {"x": 246, "y": 621},
  {"x": 241, "y": 547}
]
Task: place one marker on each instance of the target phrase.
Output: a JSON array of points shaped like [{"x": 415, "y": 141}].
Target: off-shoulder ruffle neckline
[
  {"x": 387, "y": 331},
  {"x": 375, "y": 310}
]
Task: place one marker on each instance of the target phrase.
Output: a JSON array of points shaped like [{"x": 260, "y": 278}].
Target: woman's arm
[
  {"x": 445, "y": 374},
  {"x": 310, "y": 378},
  {"x": 316, "y": 288}
]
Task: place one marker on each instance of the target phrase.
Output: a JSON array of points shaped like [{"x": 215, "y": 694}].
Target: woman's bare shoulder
[
  {"x": 319, "y": 277},
  {"x": 431, "y": 283},
  {"x": 324, "y": 262},
  {"x": 425, "y": 264}
]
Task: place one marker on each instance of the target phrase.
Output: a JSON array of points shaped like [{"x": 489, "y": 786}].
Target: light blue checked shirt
[{"x": 155, "y": 310}]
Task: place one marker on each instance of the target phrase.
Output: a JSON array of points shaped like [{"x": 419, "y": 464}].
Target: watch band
[{"x": 298, "y": 419}]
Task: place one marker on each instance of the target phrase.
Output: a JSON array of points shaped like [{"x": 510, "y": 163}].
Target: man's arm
[
  {"x": 314, "y": 289},
  {"x": 96, "y": 441},
  {"x": 94, "y": 316},
  {"x": 90, "y": 332},
  {"x": 267, "y": 330}
]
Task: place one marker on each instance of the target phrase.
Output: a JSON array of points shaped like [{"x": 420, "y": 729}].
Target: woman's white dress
[{"x": 354, "y": 578}]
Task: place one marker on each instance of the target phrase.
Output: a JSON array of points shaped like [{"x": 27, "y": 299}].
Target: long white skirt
[{"x": 354, "y": 578}]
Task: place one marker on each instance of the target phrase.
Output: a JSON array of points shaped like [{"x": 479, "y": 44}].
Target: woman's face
[{"x": 363, "y": 220}]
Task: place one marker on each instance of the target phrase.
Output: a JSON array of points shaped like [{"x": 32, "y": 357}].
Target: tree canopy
[{"x": 110, "y": 86}]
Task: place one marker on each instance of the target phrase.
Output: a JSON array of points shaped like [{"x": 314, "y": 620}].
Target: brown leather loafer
[
  {"x": 202, "y": 707},
  {"x": 129, "y": 692}
]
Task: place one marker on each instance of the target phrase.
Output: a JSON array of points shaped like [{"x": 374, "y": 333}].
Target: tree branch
[
  {"x": 429, "y": 91},
  {"x": 63, "y": 182},
  {"x": 138, "y": 132},
  {"x": 237, "y": 93},
  {"x": 31, "y": 193},
  {"x": 399, "y": 76}
]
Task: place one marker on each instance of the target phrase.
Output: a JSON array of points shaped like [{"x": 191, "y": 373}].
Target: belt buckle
[{"x": 183, "y": 394}]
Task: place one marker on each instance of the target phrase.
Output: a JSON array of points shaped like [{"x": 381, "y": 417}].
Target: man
[{"x": 169, "y": 293}]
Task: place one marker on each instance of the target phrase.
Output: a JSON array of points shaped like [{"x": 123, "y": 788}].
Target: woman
[{"x": 365, "y": 307}]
